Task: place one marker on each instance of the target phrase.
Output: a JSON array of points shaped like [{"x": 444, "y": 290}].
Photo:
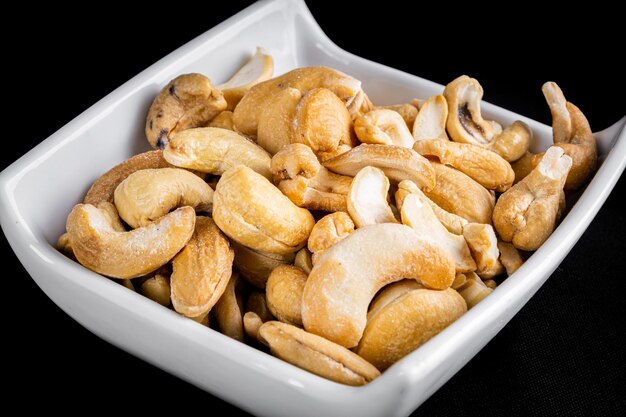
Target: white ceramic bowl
[{"x": 112, "y": 130}]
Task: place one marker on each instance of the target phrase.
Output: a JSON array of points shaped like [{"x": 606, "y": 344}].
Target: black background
[{"x": 563, "y": 354}]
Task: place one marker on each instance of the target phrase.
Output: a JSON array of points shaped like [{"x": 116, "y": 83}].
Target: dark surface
[{"x": 563, "y": 354}]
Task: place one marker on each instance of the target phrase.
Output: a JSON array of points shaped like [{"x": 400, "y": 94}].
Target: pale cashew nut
[
  {"x": 224, "y": 120},
  {"x": 526, "y": 214},
  {"x": 421, "y": 218},
  {"x": 482, "y": 165},
  {"x": 259, "y": 68},
  {"x": 397, "y": 163},
  {"x": 367, "y": 199},
  {"x": 329, "y": 230},
  {"x": 252, "y": 211},
  {"x": 157, "y": 288},
  {"x": 201, "y": 270},
  {"x": 229, "y": 309},
  {"x": 483, "y": 244},
  {"x": 509, "y": 257},
  {"x": 284, "y": 293},
  {"x": 299, "y": 175},
  {"x": 408, "y": 111},
  {"x": 430, "y": 122},
  {"x": 255, "y": 266},
  {"x": 474, "y": 290},
  {"x": 148, "y": 194},
  {"x": 304, "y": 259},
  {"x": 347, "y": 276},
  {"x": 316, "y": 354},
  {"x": 384, "y": 127},
  {"x": 99, "y": 247},
  {"x": 189, "y": 100}
]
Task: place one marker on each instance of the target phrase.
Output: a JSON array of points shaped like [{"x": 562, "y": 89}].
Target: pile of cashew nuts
[{"x": 293, "y": 214}]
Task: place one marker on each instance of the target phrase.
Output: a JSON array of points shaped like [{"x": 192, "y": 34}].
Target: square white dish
[{"x": 113, "y": 130}]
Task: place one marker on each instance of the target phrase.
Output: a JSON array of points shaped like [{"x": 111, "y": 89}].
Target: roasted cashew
[
  {"x": 249, "y": 209},
  {"x": 473, "y": 290},
  {"x": 523, "y": 166},
  {"x": 201, "y": 270},
  {"x": 459, "y": 280},
  {"x": 347, "y": 276},
  {"x": 148, "y": 194},
  {"x": 65, "y": 246},
  {"x": 483, "y": 244},
  {"x": 316, "y": 354},
  {"x": 367, "y": 199},
  {"x": 304, "y": 259},
  {"x": 421, "y": 218},
  {"x": 299, "y": 175},
  {"x": 513, "y": 142},
  {"x": 284, "y": 293},
  {"x": 408, "y": 111},
  {"x": 397, "y": 163},
  {"x": 383, "y": 127},
  {"x": 99, "y": 247},
  {"x": 189, "y": 100},
  {"x": 259, "y": 68},
  {"x": 224, "y": 120},
  {"x": 275, "y": 126},
  {"x": 329, "y": 230},
  {"x": 482, "y": 165},
  {"x": 254, "y": 266},
  {"x": 526, "y": 214},
  {"x": 214, "y": 150},
  {"x": 251, "y": 324},
  {"x": 430, "y": 122},
  {"x": 257, "y": 303},
  {"x": 509, "y": 257},
  {"x": 390, "y": 293},
  {"x": 229, "y": 309},
  {"x": 157, "y": 288},
  {"x": 423, "y": 313}
]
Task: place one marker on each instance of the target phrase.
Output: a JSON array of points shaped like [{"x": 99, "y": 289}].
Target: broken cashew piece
[
  {"x": 251, "y": 324},
  {"x": 229, "y": 309},
  {"x": 474, "y": 290},
  {"x": 304, "y": 260},
  {"x": 275, "y": 126},
  {"x": 257, "y": 303},
  {"x": 258, "y": 69},
  {"x": 407, "y": 111},
  {"x": 430, "y": 122},
  {"x": 284, "y": 293},
  {"x": 509, "y": 257},
  {"x": 157, "y": 288},
  {"x": 299, "y": 175},
  {"x": 347, "y": 276},
  {"x": 189, "y": 100},
  {"x": 316, "y": 354},
  {"x": 367, "y": 199},
  {"x": 329, "y": 230},
  {"x": 526, "y": 214},
  {"x": 384, "y": 127},
  {"x": 483, "y": 244},
  {"x": 146, "y": 195},
  {"x": 99, "y": 247},
  {"x": 255, "y": 266},
  {"x": 224, "y": 120}
]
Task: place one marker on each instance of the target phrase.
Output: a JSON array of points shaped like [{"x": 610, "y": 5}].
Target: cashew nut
[
  {"x": 99, "y": 247},
  {"x": 420, "y": 217},
  {"x": 384, "y": 127},
  {"x": 523, "y": 166},
  {"x": 257, "y": 303},
  {"x": 397, "y": 163},
  {"x": 256, "y": 266},
  {"x": 316, "y": 354},
  {"x": 201, "y": 270},
  {"x": 473, "y": 290},
  {"x": 513, "y": 142},
  {"x": 526, "y": 214},
  {"x": 329, "y": 230},
  {"x": 424, "y": 313},
  {"x": 367, "y": 199},
  {"x": 284, "y": 293},
  {"x": 509, "y": 257},
  {"x": 229, "y": 309},
  {"x": 148, "y": 194},
  {"x": 407, "y": 110},
  {"x": 251, "y": 324},
  {"x": 430, "y": 122},
  {"x": 483, "y": 244},
  {"x": 157, "y": 288},
  {"x": 390, "y": 293},
  {"x": 214, "y": 150},
  {"x": 249, "y": 209},
  {"x": 304, "y": 259},
  {"x": 347, "y": 276},
  {"x": 259, "y": 68},
  {"x": 275, "y": 126},
  {"x": 190, "y": 100},
  {"x": 459, "y": 280},
  {"x": 65, "y": 246},
  {"x": 224, "y": 120}
]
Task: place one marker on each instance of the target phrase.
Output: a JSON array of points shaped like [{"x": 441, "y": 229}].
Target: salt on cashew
[
  {"x": 284, "y": 293},
  {"x": 201, "y": 270},
  {"x": 148, "y": 194},
  {"x": 299, "y": 175},
  {"x": 483, "y": 244},
  {"x": 473, "y": 290},
  {"x": 509, "y": 257},
  {"x": 347, "y": 276},
  {"x": 367, "y": 199},
  {"x": 407, "y": 110},
  {"x": 304, "y": 260},
  {"x": 99, "y": 247},
  {"x": 316, "y": 354},
  {"x": 526, "y": 214},
  {"x": 424, "y": 314},
  {"x": 329, "y": 230},
  {"x": 252, "y": 211},
  {"x": 259, "y": 68},
  {"x": 421, "y": 218},
  {"x": 214, "y": 150},
  {"x": 189, "y": 100},
  {"x": 224, "y": 120},
  {"x": 482, "y": 165},
  {"x": 229, "y": 309},
  {"x": 397, "y": 163},
  {"x": 430, "y": 122},
  {"x": 383, "y": 127},
  {"x": 255, "y": 266},
  {"x": 465, "y": 123},
  {"x": 157, "y": 288}
]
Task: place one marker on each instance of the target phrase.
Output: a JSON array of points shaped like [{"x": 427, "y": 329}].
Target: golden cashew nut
[
  {"x": 304, "y": 259},
  {"x": 284, "y": 293},
  {"x": 407, "y": 111},
  {"x": 255, "y": 266},
  {"x": 509, "y": 257},
  {"x": 329, "y": 230},
  {"x": 157, "y": 288},
  {"x": 259, "y": 68},
  {"x": 383, "y": 127},
  {"x": 229, "y": 309},
  {"x": 224, "y": 120},
  {"x": 430, "y": 122}
]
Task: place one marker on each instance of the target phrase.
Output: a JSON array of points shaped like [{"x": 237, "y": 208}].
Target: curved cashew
[
  {"x": 509, "y": 257},
  {"x": 189, "y": 100},
  {"x": 482, "y": 165},
  {"x": 367, "y": 199},
  {"x": 526, "y": 214},
  {"x": 304, "y": 259},
  {"x": 316, "y": 354},
  {"x": 299, "y": 175},
  {"x": 347, "y": 276},
  {"x": 430, "y": 122},
  {"x": 249, "y": 209},
  {"x": 473, "y": 290},
  {"x": 383, "y": 127},
  {"x": 397, "y": 163},
  {"x": 148, "y": 194},
  {"x": 408, "y": 112},
  {"x": 214, "y": 150},
  {"x": 229, "y": 309},
  {"x": 201, "y": 270},
  {"x": 483, "y": 244},
  {"x": 424, "y": 313},
  {"x": 465, "y": 123},
  {"x": 390, "y": 293},
  {"x": 99, "y": 247},
  {"x": 420, "y": 217},
  {"x": 457, "y": 193},
  {"x": 329, "y": 230},
  {"x": 284, "y": 293},
  {"x": 259, "y": 68},
  {"x": 224, "y": 120},
  {"x": 256, "y": 266},
  {"x": 157, "y": 288}
]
